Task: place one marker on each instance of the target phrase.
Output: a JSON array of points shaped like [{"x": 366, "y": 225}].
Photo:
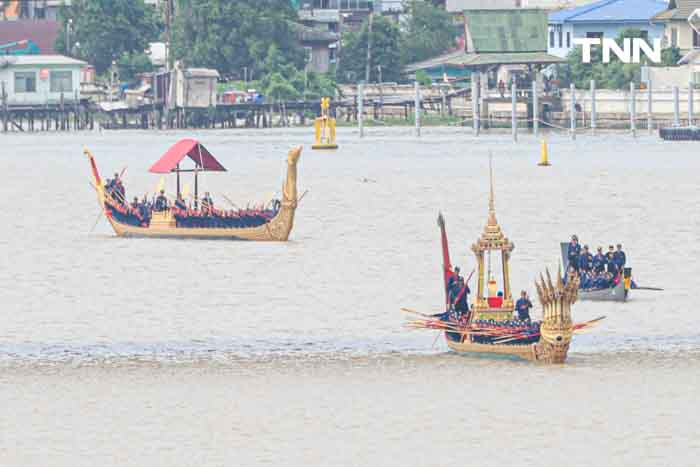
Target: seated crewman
[
  {"x": 599, "y": 260},
  {"x": 161, "y": 203},
  {"x": 207, "y": 203},
  {"x": 180, "y": 203},
  {"x": 585, "y": 261},
  {"x": 522, "y": 306}
]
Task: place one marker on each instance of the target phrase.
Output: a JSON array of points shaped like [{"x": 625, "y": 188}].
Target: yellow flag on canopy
[{"x": 161, "y": 185}]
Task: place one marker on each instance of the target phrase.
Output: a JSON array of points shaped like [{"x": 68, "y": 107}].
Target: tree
[
  {"x": 386, "y": 39},
  {"x": 231, "y": 36},
  {"x": 670, "y": 56},
  {"x": 107, "y": 29},
  {"x": 428, "y": 31}
]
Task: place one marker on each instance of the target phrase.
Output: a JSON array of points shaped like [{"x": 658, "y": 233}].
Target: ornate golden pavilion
[{"x": 492, "y": 239}]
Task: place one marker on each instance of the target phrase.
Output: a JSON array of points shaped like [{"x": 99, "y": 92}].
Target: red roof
[
  {"x": 183, "y": 148},
  {"x": 42, "y": 32}
]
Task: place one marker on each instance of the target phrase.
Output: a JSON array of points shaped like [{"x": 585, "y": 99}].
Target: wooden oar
[{"x": 658, "y": 289}]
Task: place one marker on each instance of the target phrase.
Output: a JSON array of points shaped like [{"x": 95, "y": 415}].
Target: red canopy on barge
[{"x": 188, "y": 147}]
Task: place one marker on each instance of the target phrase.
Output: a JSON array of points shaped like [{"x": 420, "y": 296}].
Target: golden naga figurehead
[{"x": 557, "y": 326}]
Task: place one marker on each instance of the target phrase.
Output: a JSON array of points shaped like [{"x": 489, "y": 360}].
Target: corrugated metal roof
[
  {"x": 40, "y": 60},
  {"x": 610, "y": 11},
  {"x": 507, "y": 30},
  {"x": 678, "y": 10},
  {"x": 472, "y": 60}
]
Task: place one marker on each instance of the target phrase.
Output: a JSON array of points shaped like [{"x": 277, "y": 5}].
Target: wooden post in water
[
  {"x": 513, "y": 110},
  {"x": 633, "y": 110},
  {"x": 690, "y": 103},
  {"x": 416, "y": 87},
  {"x": 676, "y": 108},
  {"x": 593, "y": 108},
  {"x": 360, "y": 108},
  {"x": 649, "y": 107},
  {"x": 535, "y": 110},
  {"x": 572, "y": 111},
  {"x": 475, "y": 104},
  {"x": 3, "y": 97}
]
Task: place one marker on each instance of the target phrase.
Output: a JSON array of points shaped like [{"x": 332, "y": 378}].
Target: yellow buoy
[
  {"x": 324, "y": 128},
  {"x": 544, "y": 160}
]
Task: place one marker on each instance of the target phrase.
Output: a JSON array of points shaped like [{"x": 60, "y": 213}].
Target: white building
[{"x": 40, "y": 79}]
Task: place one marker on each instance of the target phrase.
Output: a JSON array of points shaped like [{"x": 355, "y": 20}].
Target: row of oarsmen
[{"x": 582, "y": 260}]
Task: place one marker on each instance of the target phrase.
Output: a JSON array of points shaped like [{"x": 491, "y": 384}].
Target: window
[
  {"x": 61, "y": 81},
  {"x": 561, "y": 38},
  {"x": 594, "y": 35},
  {"x": 645, "y": 35},
  {"x": 551, "y": 38},
  {"x": 568, "y": 40},
  {"x": 25, "y": 81},
  {"x": 674, "y": 37},
  {"x": 696, "y": 39}
]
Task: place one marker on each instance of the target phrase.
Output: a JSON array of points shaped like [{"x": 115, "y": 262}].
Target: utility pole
[
  {"x": 68, "y": 27},
  {"x": 369, "y": 42}
]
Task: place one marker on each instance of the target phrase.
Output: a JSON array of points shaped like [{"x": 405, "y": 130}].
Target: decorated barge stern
[{"x": 273, "y": 224}]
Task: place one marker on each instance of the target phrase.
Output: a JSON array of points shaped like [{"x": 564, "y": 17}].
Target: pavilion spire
[{"x": 492, "y": 204}]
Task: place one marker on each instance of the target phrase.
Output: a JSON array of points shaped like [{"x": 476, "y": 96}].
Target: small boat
[
  {"x": 270, "y": 224},
  {"x": 617, "y": 293},
  {"x": 489, "y": 327}
]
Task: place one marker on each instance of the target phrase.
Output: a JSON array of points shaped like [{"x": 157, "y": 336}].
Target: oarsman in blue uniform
[
  {"x": 161, "y": 203},
  {"x": 585, "y": 261},
  {"x": 610, "y": 261},
  {"x": 207, "y": 203},
  {"x": 599, "y": 261},
  {"x": 461, "y": 301},
  {"x": 620, "y": 257},
  {"x": 574, "y": 251},
  {"x": 522, "y": 306},
  {"x": 180, "y": 203},
  {"x": 453, "y": 280}
]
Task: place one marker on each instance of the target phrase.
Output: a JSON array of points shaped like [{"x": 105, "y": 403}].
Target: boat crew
[
  {"x": 574, "y": 251},
  {"x": 585, "y": 261},
  {"x": 599, "y": 261},
  {"x": 620, "y": 258},
  {"x": 522, "y": 306},
  {"x": 161, "y": 203}
]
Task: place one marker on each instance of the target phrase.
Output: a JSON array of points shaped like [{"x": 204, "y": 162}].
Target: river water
[{"x": 155, "y": 352}]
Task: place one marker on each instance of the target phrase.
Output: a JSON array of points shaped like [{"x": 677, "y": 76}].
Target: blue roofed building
[{"x": 604, "y": 18}]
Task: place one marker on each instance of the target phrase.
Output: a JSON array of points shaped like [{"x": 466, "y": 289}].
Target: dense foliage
[
  {"x": 236, "y": 38},
  {"x": 106, "y": 30},
  {"x": 386, "y": 40},
  {"x": 426, "y": 32}
]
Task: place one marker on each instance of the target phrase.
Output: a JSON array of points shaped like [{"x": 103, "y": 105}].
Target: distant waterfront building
[
  {"x": 493, "y": 47},
  {"x": 457, "y": 6},
  {"x": 678, "y": 32},
  {"x": 605, "y": 18},
  {"x": 40, "y": 79}
]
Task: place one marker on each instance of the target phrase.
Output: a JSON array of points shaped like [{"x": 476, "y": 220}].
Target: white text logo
[{"x": 630, "y": 51}]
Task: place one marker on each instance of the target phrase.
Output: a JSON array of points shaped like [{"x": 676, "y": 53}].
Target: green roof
[
  {"x": 467, "y": 60},
  {"x": 507, "y": 30}
]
